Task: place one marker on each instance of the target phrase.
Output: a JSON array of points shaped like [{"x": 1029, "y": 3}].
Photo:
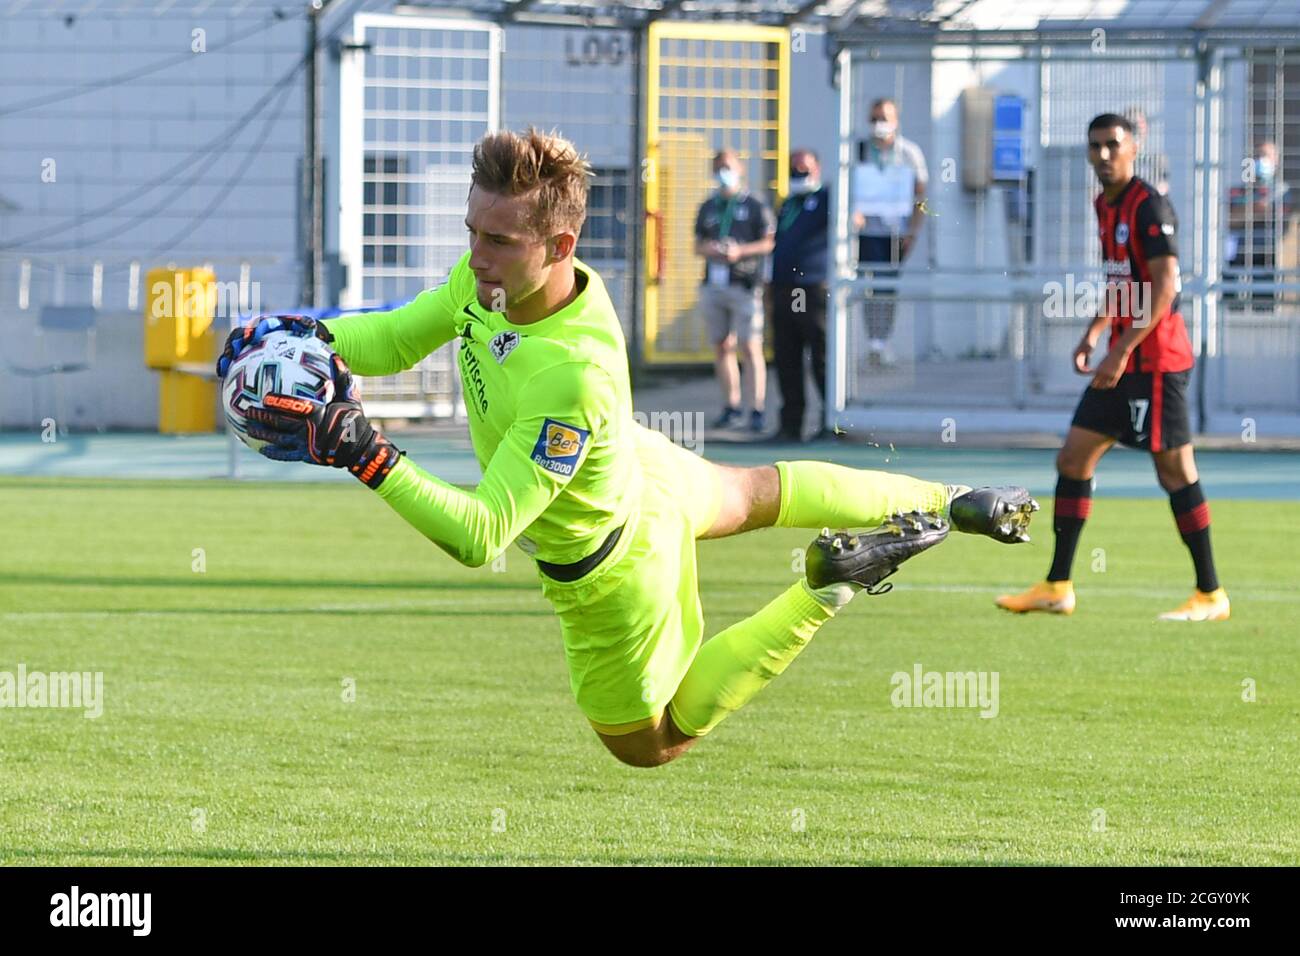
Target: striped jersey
[{"x": 1138, "y": 226}]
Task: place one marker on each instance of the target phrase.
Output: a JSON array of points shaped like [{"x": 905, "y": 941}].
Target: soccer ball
[{"x": 284, "y": 362}]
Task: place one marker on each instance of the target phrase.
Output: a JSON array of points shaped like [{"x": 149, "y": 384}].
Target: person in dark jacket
[{"x": 799, "y": 264}]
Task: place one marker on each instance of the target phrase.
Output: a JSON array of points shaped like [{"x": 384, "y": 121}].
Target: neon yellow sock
[
  {"x": 740, "y": 661},
  {"x": 818, "y": 494}
]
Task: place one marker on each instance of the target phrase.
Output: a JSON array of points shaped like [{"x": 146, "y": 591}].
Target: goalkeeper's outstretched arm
[
  {"x": 476, "y": 526},
  {"x": 471, "y": 526},
  {"x": 385, "y": 343}
]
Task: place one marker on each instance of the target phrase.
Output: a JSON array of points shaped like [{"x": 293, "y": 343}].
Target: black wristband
[{"x": 376, "y": 462}]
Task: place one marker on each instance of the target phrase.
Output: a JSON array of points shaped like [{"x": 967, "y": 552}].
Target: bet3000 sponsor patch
[{"x": 558, "y": 447}]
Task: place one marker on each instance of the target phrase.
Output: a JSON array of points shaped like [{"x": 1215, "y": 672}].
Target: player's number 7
[{"x": 1137, "y": 409}]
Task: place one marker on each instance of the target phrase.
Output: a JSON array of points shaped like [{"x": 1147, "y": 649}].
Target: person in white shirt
[{"x": 888, "y": 211}]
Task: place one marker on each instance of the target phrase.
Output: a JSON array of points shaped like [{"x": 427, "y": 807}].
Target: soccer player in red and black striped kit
[{"x": 1138, "y": 394}]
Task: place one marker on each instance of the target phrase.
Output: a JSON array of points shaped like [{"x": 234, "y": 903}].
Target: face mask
[
  {"x": 802, "y": 184},
  {"x": 728, "y": 178},
  {"x": 882, "y": 129},
  {"x": 1264, "y": 168}
]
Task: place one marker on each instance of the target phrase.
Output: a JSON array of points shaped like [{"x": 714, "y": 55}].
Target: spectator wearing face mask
[
  {"x": 888, "y": 211},
  {"x": 799, "y": 264},
  {"x": 1259, "y": 216},
  {"x": 734, "y": 232}
]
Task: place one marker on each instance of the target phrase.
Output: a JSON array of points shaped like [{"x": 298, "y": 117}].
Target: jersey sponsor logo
[
  {"x": 471, "y": 374},
  {"x": 558, "y": 447},
  {"x": 502, "y": 344},
  {"x": 1121, "y": 233},
  {"x": 1118, "y": 267}
]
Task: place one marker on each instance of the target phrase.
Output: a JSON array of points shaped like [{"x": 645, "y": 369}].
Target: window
[
  {"x": 604, "y": 236},
  {"x": 386, "y": 233}
]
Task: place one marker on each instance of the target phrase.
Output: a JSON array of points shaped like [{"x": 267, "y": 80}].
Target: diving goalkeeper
[{"x": 609, "y": 510}]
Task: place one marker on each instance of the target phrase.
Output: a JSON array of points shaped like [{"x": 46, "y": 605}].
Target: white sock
[{"x": 833, "y": 596}]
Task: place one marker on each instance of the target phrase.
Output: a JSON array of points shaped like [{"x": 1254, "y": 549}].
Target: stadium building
[{"x": 146, "y": 134}]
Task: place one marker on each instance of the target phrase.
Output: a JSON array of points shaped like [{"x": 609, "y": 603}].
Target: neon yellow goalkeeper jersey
[{"x": 549, "y": 407}]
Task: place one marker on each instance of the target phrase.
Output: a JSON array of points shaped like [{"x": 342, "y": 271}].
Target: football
[{"x": 284, "y": 362}]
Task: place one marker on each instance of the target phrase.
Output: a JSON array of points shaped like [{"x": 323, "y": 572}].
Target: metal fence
[
  {"x": 422, "y": 94},
  {"x": 416, "y": 94},
  {"x": 989, "y": 305},
  {"x": 708, "y": 86},
  {"x": 1253, "y": 327}
]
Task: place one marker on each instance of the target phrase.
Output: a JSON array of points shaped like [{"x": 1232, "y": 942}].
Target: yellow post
[
  {"x": 187, "y": 404},
  {"x": 178, "y": 333},
  {"x": 707, "y": 85}
]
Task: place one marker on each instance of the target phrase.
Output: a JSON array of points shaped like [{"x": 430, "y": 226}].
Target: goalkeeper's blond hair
[{"x": 544, "y": 166}]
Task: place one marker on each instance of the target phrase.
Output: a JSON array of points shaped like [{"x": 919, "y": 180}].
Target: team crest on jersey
[
  {"x": 502, "y": 344},
  {"x": 558, "y": 447},
  {"x": 1121, "y": 233}
]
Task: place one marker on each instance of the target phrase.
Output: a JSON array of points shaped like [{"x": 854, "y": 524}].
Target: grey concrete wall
[
  {"x": 116, "y": 392},
  {"x": 156, "y": 169}
]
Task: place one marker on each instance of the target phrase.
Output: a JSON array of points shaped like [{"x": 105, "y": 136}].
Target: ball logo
[
  {"x": 297, "y": 406},
  {"x": 558, "y": 447},
  {"x": 1121, "y": 233}
]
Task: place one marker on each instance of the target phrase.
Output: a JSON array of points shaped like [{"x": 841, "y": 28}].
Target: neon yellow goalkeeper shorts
[{"x": 633, "y": 624}]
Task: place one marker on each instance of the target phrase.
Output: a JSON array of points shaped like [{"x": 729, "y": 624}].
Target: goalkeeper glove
[
  {"x": 336, "y": 434},
  {"x": 253, "y": 331}
]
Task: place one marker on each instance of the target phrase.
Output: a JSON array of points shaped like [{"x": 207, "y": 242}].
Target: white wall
[{"x": 116, "y": 392}]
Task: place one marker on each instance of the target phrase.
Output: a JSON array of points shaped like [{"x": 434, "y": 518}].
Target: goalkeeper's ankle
[
  {"x": 833, "y": 596},
  {"x": 954, "y": 492}
]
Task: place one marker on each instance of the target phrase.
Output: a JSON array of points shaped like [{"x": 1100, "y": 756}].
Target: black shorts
[{"x": 1146, "y": 410}]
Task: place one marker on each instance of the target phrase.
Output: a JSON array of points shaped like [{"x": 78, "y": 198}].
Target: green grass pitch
[{"x": 226, "y": 737}]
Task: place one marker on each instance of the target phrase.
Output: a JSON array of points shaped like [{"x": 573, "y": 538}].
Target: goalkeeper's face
[{"x": 509, "y": 261}]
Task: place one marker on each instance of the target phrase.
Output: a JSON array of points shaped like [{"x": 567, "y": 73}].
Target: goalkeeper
[{"x": 610, "y": 511}]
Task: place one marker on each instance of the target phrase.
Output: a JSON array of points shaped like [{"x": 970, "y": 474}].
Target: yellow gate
[{"x": 708, "y": 86}]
